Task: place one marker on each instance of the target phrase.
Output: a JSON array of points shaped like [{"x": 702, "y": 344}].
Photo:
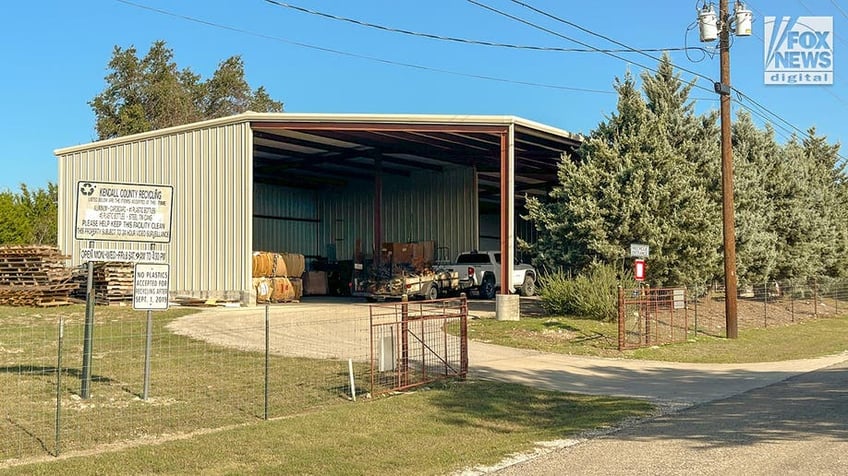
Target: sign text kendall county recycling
[
  {"x": 798, "y": 51},
  {"x": 123, "y": 212}
]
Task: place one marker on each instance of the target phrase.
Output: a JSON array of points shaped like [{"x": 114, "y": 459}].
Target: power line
[
  {"x": 444, "y": 71},
  {"x": 839, "y": 8},
  {"x": 784, "y": 131},
  {"x": 554, "y": 17},
  {"x": 790, "y": 128},
  {"x": 768, "y": 111},
  {"x": 560, "y": 35},
  {"x": 463, "y": 40},
  {"x": 640, "y": 51},
  {"x": 811, "y": 12},
  {"x": 828, "y": 90},
  {"x": 360, "y": 56}
]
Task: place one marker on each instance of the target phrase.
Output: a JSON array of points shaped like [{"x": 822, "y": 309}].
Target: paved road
[
  {"x": 775, "y": 418},
  {"x": 796, "y": 426}
]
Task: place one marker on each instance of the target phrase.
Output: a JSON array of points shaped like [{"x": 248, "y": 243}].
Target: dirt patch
[
  {"x": 321, "y": 331},
  {"x": 753, "y": 313}
]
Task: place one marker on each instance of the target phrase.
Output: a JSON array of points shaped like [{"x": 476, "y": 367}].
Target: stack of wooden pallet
[
  {"x": 112, "y": 283},
  {"x": 34, "y": 276}
]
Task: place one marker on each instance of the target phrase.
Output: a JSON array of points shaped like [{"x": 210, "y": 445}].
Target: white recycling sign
[{"x": 109, "y": 211}]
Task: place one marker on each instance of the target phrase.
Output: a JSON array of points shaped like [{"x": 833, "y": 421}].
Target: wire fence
[
  {"x": 653, "y": 316},
  {"x": 207, "y": 371},
  {"x": 769, "y": 304}
]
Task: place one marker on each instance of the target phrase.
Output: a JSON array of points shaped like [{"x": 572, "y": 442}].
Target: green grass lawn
[
  {"x": 205, "y": 414},
  {"x": 569, "y": 335},
  {"x": 443, "y": 428}
]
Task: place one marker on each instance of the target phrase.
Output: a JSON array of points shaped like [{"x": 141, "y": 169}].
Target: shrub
[{"x": 592, "y": 294}]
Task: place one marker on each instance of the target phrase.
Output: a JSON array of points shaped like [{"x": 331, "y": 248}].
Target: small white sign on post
[
  {"x": 150, "y": 290},
  {"x": 679, "y": 298},
  {"x": 639, "y": 250}
]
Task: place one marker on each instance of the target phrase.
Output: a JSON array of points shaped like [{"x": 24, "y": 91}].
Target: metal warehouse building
[{"x": 328, "y": 186}]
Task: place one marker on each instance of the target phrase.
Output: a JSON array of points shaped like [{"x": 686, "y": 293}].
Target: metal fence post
[
  {"x": 696, "y": 312},
  {"x": 463, "y": 335},
  {"x": 267, "y": 356},
  {"x": 404, "y": 339},
  {"x": 815, "y": 299},
  {"x": 765, "y": 304},
  {"x": 59, "y": 386},
  {"x": 621, "y": 326},
  {"x": 148, "y": 343},
  {"x": 647, "y": 306},
  {"x": 85, "y": 387},
  {"x": 792, "y": 303}
]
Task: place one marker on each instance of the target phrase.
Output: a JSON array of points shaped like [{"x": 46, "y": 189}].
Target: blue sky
[{"x": 55, "y": 55}]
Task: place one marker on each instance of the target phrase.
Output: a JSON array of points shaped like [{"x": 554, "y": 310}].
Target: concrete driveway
[{"x": 669, "y": 383}]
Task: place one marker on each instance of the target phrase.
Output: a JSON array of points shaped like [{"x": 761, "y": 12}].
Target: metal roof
[{"x": 325, "y": 150}]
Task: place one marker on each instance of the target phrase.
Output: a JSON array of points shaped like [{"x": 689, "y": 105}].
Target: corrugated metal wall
[
  {"x": 211, "y": 171},
  {"x": 285, "y": 220},
  {"x": 490, "y": 229},
  {"x": 425, "y": 206},
  {"x": 433, "y": 206}
]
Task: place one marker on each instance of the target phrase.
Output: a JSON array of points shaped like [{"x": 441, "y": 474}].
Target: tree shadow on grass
[
  {"x": 505, "y": 407},
  {"x": 748, "y": 407}
]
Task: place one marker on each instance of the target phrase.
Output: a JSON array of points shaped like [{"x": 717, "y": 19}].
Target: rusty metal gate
[
  {"x": 414, "y": 343},
  {"x": 651, "y": 316}
]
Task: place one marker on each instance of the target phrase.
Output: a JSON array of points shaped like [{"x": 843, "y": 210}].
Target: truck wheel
[
  {"x": 433, "y": 292},
  {"x": 487, "y": 288},
  {"x": 528, "y": 287}
]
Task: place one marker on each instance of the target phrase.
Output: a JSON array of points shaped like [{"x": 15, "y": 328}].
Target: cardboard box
[
  {"x": 402, "y": 253},
  {"x": 386, "y": 252},
  {"x": 424, "y": 252},
  {"x": 315, "y": 283}
]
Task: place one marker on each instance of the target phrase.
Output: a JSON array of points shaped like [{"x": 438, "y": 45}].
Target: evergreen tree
[
  {"x": 14, "y": 226},
  {"x": 809, "y": 209},
  {"x": 756, "y": 158},
  {"x": 647, "y": 174},
  {"x": 29, "y": 217},
  {"x": 41, "y": 210}
]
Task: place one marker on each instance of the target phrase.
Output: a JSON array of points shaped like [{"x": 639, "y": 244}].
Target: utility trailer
[{"x": 428, "y": 284}]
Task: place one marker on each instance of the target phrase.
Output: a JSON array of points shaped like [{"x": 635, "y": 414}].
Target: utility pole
[{"x": 728, "y": 216}]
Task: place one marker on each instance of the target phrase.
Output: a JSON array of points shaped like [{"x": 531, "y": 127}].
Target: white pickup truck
[{"x": 480, "y": 272}]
